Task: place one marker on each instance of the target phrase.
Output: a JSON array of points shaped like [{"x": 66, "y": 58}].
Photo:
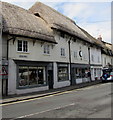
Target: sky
[{"x": 91, "y": 15}]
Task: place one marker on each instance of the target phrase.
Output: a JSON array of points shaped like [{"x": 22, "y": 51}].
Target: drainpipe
[
  {"x": 69, "y": 45},
  {"x": 89, "y": 61},
  {"x": 7, "y": 58}
]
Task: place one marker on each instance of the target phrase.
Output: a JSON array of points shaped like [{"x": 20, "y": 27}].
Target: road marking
[
  {"x": 24, "y": 116},
  {"x": 55, "y": 94}
]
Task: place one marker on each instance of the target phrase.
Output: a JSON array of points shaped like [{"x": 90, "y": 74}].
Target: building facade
[{"x": 46, "y": 51}]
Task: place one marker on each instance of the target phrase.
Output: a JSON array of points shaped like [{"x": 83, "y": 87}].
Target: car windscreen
[{"x": 111, "y": 73}]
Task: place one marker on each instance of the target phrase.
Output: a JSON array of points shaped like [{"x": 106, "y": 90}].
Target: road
[{"x": 88, "y": 102}]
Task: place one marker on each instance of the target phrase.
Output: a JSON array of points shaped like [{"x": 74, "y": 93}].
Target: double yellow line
[{"x": 54, "y": 94}]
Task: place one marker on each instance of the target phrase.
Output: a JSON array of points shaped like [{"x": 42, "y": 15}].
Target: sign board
[{"x": 4, "y": 72}]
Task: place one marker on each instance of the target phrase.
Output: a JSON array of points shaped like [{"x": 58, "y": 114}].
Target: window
[
  {"x": 98, "y": 59},
  {"x": 46, "y": 49},
  {"x": 105, "y": 61},
  {"x": 62, "y": 52},
  {"x": 62, "y": 35},
  {"x": 22, "y": 46},
  {"x": 92, "y": 58},
  {"x": 81, "y": 72},
  {"x": 30, "y": 76},
  {"x": 75, "y": 54},
  {"x": 111, "y": 61},
  {"x": 62, "y": 73}
]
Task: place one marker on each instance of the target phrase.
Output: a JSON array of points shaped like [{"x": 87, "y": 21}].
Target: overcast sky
[{"x": 91, "y": 15}]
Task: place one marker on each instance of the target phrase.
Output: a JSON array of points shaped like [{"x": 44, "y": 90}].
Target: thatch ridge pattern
[
  {"x": 58, "y": 20},
  {"x": 19, "y": 21}
]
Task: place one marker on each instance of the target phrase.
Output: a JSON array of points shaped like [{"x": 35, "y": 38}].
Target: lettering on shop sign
[{"x": 23, "y": 56}]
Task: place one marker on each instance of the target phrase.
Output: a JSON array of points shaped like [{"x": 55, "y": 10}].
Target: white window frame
[
  {"x": 75, "y": 54},
  {"x": 46, "y": 49},
  {"x": 62, "y": 52},
  {"x": 92, "y": 58},
  {"x": 98, "y": 59},
  {"x": 23, "y": 46}
]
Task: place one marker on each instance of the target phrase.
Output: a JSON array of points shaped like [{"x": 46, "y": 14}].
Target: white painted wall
[
  {"x": 97, "y": 55},
  {"x": 97, "y": 62},
  {"x": 77, "y": 46},
  {"x": 36, "y": 52},
  {"x": 12, "y": 69},
  {"x": 108, "y": 59}
]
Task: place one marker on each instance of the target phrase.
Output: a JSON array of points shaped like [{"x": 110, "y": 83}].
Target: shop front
[
  {"x": 33, "y": 76},
  {"x": 61, "y": 75},
  {"x": 96, "y": 72},
  {"x": 80, "y": 73}
]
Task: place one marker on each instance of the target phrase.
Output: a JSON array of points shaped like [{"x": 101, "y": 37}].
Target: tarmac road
[{"x": 88, "y": 102}]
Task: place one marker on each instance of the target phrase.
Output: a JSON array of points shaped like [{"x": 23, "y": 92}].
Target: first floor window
[
  {"x": 46, "y": 49},
  {"x": 22, "y": 46},
  {"x": 62, "y": 52},
  {"x": 98, "y": 59},
  {"x": 62, "y": 73},
  {"x": 92, "y": 58},
  {"x": 75, "y": 54},
  {"x": 30, "y": 75}
]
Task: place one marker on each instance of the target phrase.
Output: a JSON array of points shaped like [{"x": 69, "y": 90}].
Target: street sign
[{"x": 3, "y": 71}]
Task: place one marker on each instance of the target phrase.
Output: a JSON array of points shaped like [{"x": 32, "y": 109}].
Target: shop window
[
  {"x": 33, "y": 76},
  {"x": 62, "y": 73},
  {"x": 22, "y": 46},
  {"x": 30, "y": 76},
  {"x": 46, "y": 49},
  {"x": 23, "y": 76},
  {"x": 95, "y": 72},
  {"x": 62, "y": 52},
  {"x": 81, "y": 72}
]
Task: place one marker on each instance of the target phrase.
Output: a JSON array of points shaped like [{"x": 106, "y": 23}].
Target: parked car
[{"x": 107, "y": 75}]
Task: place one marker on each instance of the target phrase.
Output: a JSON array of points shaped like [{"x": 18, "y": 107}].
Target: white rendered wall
[
  {"x": 97, "y": 54},
  {"x": 12, "y": 78}
]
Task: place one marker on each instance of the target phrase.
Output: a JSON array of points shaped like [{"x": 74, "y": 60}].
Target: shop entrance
[{"x": 50, "y": 79}]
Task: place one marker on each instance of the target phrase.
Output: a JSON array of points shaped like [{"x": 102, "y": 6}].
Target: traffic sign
[{"x": 3, "y": 71}]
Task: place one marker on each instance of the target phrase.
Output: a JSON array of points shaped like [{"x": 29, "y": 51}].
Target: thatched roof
[
  {"x": 57, "y": 21},
  {"x": 94, "y": 40},
  {"x": 18, "y": 21}
]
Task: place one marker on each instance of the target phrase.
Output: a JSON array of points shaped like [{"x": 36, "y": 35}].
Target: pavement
[{"x": 15, "y": 98}]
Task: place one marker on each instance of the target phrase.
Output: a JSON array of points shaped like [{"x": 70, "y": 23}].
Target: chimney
[{"x": 99, "y": 38}]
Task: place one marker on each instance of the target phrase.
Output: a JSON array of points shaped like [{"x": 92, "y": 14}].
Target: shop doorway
[{"x": 50, "y": 79}]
